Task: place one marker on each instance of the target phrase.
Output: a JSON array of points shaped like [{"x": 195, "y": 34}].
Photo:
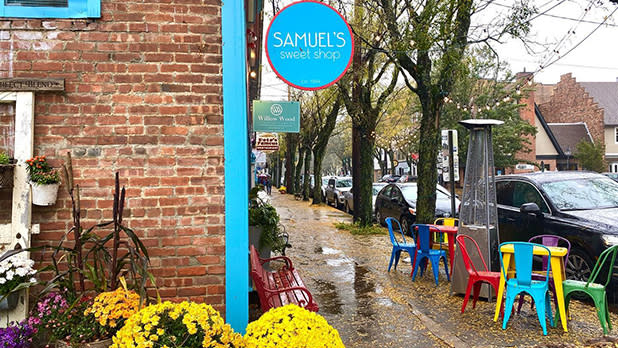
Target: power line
[
  {"x": 559, "y": 17},
  {"x": 566, "y": 64}
]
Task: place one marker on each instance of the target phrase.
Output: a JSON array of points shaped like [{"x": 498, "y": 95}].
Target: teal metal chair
[
  {"x": 594, "y": 290},
  {"x": 523, "y": 281},
  {"x": 424, "y": 252},
  {"x": 398, "y": 247}
]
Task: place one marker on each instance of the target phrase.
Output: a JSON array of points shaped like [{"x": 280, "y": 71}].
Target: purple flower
[{"x": 16, "y": 335}]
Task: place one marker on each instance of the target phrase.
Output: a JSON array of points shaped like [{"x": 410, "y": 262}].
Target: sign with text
[
  {"x": 309, "y": 45},
  {"x": 445, "y": 156},
  {"x": 31, "y": 84},
  {"x": 267, "y": 142},
  {"x": 276, "y": 116}
]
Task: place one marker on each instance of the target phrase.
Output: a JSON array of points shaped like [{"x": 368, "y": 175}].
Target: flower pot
[
  {"x": 96, "y": 344},
  {"x": 255, "y": 232},
  {"x": 44, "y": 195},
  {"x": 9, "y": 302}
]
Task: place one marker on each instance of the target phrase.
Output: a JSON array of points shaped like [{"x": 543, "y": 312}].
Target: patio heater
[{"x": 478, "y": 215}]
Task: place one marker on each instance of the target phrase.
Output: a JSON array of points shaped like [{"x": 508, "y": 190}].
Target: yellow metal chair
[{"x": 442, "y": 238}]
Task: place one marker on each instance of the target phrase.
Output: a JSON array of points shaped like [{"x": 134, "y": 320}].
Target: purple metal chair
[{"x": 549, "y": 240}]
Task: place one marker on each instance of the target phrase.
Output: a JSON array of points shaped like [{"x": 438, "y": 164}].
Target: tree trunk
[
  {"x": 391, "y": 155},
  {"x": 427, "y": 169},
  {"x": 381, "y": 161},
  {"x": 307, "y": 176},
  {"x": 298, "y": 170},
  {"x": 290, "y": 159},
  {"x": 365, "y": 180},
  {"x": 318, "y": 155}
]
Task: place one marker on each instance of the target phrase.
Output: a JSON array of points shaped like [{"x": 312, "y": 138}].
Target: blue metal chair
[
  {"x": 424, "y": 252},
  {"x": 523, "y": 281},
  {"x": 397, "y": 246}
]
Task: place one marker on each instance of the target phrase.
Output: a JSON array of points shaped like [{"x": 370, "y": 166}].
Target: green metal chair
[{"x": 594, "y": 290}]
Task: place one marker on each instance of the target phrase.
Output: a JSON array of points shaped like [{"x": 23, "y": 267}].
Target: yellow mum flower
[
  {"x": 291, "y": 326},
  {"x": 112, "y": 308},
  {"x": 152, "y": 324}
]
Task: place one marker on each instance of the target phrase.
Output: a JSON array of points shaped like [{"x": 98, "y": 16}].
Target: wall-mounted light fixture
[{"x": 253, "y": 74}]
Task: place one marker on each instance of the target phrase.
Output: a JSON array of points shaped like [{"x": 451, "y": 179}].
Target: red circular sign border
[{"x": 290, "y": 83}]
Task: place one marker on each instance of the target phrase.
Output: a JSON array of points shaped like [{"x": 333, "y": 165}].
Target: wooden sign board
[
  {"x": 31, "y": 84},
  {"x": 267, "y": 142}
]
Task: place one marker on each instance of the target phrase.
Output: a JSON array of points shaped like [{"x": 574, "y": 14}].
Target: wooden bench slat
[{"x": 278, "y": 288}]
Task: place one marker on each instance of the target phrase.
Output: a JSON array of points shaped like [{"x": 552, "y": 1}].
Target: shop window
[{"x": 50, "y": 8}]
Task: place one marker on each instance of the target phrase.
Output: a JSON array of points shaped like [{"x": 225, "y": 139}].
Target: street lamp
[{"x": 568, "y": 154}]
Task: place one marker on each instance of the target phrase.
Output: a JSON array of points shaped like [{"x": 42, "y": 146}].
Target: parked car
[
  {"x": 348, "y": 204},
  {"x": 389, "y": 178},
  {"x": 579, "y": 206},
  {"x": 613, "y": 176},
  {"x": 399, "y": 201},
  {"x": 407, "y": 178},
  {"x": 324, "y": 185},
  {"x": 335, "y": 189}
]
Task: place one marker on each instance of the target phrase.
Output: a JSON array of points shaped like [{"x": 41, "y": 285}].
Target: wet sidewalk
[{"x": 373, "y": 308}]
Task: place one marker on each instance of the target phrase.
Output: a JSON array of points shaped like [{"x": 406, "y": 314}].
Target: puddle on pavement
[
  {"x": 330, "y": 251},
  {"x": 326, "y": 251},
  {"x": 330, "y": 302},
  {"x": 363, "y": 288},
  {"x": 349, "y": 288}
]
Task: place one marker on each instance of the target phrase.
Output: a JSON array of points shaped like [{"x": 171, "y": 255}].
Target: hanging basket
[
  {"x": 6, "y": 174},
  {"x": 44, "y": 195}
]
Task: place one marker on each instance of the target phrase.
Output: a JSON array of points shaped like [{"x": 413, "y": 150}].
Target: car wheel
[
  {"x": 379, "y": 218},
  {"x": 406, "y": 223},
  {"x": 578, "y": 266}
]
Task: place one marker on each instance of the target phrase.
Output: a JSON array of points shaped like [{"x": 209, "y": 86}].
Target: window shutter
[
  {"x": 50, "y": 8},
  {"x": 37, "y": 3}
]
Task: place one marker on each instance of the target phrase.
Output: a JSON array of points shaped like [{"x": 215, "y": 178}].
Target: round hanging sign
[{"x": 309, "y": 45}]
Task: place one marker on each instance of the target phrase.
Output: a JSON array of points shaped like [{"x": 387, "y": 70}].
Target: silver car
[
  {"x": 349, "y": 198},
  {"x": 335, "y": 189}
]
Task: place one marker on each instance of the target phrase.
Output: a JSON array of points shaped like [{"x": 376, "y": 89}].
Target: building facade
[{"x": 143, "y": 96}]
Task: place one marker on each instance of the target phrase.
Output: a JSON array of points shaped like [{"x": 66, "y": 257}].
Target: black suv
[{"x": 579, "y": 206}]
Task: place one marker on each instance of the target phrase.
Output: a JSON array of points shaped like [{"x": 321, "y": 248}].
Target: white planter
[{"x": 44, "y": 195}]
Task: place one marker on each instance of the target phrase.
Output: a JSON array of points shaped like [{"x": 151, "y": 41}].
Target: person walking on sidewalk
[{"x": 268, "y": 183}]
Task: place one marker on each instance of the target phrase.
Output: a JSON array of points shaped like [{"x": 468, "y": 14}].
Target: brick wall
[
  {"x": 526, "y": 112},
  {"x": 143, "y": 97},
  {"x": 571, "y": 103}
]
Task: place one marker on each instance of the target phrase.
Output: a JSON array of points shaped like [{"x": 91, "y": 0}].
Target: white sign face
[
  {"x": 445, "y": 155},
  {"x": 524, "y": 166},
  {"x": 260, "y": 157},
  {"x": 267, "y": 142}
]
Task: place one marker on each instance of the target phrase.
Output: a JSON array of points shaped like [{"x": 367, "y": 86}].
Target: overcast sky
[{"x": 558, "y": 21}]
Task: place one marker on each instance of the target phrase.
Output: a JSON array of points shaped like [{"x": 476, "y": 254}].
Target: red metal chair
[{"x": 475, "y": 278}]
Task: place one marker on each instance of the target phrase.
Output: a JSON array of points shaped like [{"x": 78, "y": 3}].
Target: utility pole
[
  {"x": 289, "y": 160},
  {"x": 356, "y": 93}
]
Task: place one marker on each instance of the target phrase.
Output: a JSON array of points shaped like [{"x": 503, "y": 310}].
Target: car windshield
[
  {"x": 410, "y": 194},
  {"x": 344, "y": 183},
  {"x": 583, "y": 194}
]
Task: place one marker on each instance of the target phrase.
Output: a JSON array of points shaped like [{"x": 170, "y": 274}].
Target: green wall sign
[{"x": 276, "y": 116}]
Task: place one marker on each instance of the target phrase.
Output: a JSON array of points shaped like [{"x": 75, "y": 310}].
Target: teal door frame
[{"x": 236, "y": 145}]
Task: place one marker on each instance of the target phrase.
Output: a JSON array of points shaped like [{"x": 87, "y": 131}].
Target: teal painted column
[{"x": 236, "y": 164}]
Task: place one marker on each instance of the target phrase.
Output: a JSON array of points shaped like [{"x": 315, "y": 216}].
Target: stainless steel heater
[{"x": 478, "y": 215}]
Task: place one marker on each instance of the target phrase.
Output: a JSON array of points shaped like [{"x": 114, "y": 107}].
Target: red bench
[{"x": 281, "y": 287}]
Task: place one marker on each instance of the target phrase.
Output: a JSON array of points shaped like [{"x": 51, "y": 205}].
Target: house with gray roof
[{"x": 577, "y": 111}]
